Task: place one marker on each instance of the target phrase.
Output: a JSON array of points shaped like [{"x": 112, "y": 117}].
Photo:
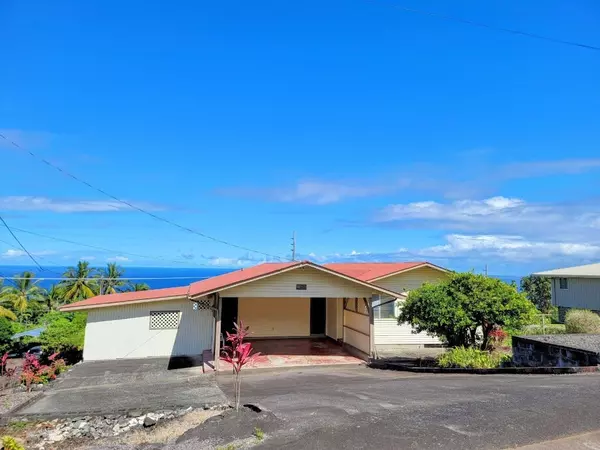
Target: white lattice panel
[{"x": 164, "y": 320}]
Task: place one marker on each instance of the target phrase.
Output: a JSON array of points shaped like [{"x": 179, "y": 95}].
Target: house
[
  {"x": 277, "y": 300},
  {"x": 575, "y": 287},
  {"x": 399, "y": 277}
]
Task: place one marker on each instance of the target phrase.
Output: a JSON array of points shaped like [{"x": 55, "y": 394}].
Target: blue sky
[{"x": 374, "y": 133}]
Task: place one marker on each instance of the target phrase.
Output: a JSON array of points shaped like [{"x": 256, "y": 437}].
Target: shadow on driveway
[{"x": 110, "y": 387}]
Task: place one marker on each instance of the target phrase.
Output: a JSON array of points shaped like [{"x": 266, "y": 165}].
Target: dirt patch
[
  {"x": 239, "y": 428},
  {"x": 167, "y": 432}
]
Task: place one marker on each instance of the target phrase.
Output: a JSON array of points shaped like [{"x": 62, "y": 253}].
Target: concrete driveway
[{"x": 109, "y": 387}]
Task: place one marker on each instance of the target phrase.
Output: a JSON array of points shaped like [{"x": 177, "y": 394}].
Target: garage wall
[
  {"x": 275, "y": 317},
  {"x": 124, "y": 331},
  {"x": 333, "y": 327},
  {"x": 357, "y": 326},
  {"x": 388, "y": 332}
]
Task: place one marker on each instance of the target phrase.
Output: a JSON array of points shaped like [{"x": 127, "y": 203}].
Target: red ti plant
[{"x": 238, "y": 353}]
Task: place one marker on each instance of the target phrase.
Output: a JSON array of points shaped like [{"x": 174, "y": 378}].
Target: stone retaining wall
[{"x": 532, "y": 352}]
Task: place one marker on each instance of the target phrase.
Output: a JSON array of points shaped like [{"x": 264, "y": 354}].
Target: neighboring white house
[
  {"x": 398, "y": 277},
  {"x": 575, "y": 287},
  {"x": 277, "y": 300}
]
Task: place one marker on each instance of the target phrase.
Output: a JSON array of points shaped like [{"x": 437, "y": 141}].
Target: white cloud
[
  {"x": 118, "y": 259},
  {"x": 14, "y": 253},
  {"x": 500, "y": 216},
  {"x": 87, "y": 258},
  {"x": 31, "y": 203}
]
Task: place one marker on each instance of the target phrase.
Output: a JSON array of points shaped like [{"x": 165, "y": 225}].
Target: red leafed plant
[
  {"x": 238, "y": 353},
  {"x": 497, "y": 337},
  {"x": 34, "y": 372}
]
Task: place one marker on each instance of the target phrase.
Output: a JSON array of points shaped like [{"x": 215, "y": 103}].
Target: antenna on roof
[{"x": 294, "y": 246}]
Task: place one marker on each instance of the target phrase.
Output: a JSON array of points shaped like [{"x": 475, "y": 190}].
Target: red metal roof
[
  {"x": 127, "y": 297},
  {"x": 227, "y": 279},
  {"x": 372, "y": 271},
  {"x": 362, "y": 272}
]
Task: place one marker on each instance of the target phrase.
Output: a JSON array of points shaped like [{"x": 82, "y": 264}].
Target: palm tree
[
  {"x": 135, "y": 287},
  {"x": 23, "y": 290},
  {"x": 54, "y": 297},
  {"x": 5, "y": 312},
  {"x": 111, "y": 279},
  {"x": 80, "y": 282}
]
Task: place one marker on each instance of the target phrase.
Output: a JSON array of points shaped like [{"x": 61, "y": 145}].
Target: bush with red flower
[{"x": 34, "y": 372}]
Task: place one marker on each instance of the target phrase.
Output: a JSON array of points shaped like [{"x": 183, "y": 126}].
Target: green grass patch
[{"x": 258, "y": 434}]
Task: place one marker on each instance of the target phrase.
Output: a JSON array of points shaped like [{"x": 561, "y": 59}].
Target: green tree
[
  {"x": 539, "y": 291},
  {"x": 134, "y": 287},
  {"x": 23, "y": 291},
  {"x": 79, "y": 283},
  {"x": 54, "y": 297},
  {"x": 4, "y": 311},
  {"x": 6, "y": 333},
  {"x": 465, "y": 308},
  {"x": 111, "y": 279},
  {"x": 64, "y": 332}
]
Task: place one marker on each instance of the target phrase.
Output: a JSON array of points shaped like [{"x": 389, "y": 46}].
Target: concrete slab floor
[{"x": 282, "y": 353}]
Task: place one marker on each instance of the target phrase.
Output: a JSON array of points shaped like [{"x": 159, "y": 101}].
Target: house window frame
[{"x": 565, "y": 286}]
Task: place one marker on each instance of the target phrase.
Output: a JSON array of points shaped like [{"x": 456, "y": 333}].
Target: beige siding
[
  {"x": 334, "y": 319},
  {"x": 582, "y": 293},
  {"x": 412, "y": 279},
  {"x": 124, "y": 332},
  {"x": 356, "y": 331},
  {"x": 275, "y": 317},
  {"x": 388, "y": 332},
  {"x": 318, "y": 284}
]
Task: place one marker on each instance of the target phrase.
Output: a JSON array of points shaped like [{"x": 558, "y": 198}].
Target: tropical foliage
[
  {"x": 472, "y": 358},
  {"x": 25, "y": 305},
  {"x": 582, "y": 321},
  {"x": 539, "y": 291},
  {"x": 466, "y": 309}
]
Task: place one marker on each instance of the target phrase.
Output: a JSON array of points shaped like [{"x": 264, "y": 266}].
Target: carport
[{"x": 314, "y": 313}]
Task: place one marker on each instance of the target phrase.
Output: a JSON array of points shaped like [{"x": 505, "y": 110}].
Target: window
[
  {"x": 563, "y": 283},
  {"x": 384, "y": 308},
  {"x": 164, "y": 320}
]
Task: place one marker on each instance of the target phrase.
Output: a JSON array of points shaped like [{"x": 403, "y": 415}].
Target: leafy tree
[
  {"x": 54, "y": 297},
  {"x": 111, "y": 279},
  {"x": 64, "y": 332},
  {"x": 23, "y": 291},
  {"x": 466, "y": 308},
  {"x": 139, "y": 287},
  {"x": 6, "y": 332},
  {"x": 4, "y": 311},
  {"x": 80, "y": 282},
  {"x": 539, "y": 291}
]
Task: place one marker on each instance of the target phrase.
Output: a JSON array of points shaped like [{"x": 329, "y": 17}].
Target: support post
[
  {"x": 217, "y": 340},
  {"x": 372, "y": 349}
]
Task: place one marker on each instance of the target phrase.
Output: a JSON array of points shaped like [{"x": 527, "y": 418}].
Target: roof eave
[
  {"x": 69, "y": 308},
  {"x": 419, "y": 266}
]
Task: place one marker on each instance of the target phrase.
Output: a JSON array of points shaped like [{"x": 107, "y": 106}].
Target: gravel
[
  {"x": 10, "y": 400},
  {"x": 584, "y": 342}
]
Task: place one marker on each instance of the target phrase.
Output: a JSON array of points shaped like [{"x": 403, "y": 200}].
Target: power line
[
  {"x": 20, "y": 244},
  {"x": 137, "y": 208},
  {"x": 493, "y": 27},
  {"x": 104, "y": 249},
  {"x": 99, "y": 278}
]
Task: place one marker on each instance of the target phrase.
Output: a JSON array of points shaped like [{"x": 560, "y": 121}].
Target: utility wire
[
  {"x": 137, "y": 208},
  {"x": 95, "y": 247},
  {"x": 494, "y": 27},
  {"x": 20, "y": 244},
  {"x": 100, "y": 278}
]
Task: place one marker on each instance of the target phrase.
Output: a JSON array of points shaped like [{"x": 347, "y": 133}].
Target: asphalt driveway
[
  {"x": 366, "y": 408},
  {"x": 109, "y": 387}
]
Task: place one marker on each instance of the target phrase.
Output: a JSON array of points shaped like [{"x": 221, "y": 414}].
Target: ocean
[{"x": 156, "y": 277}]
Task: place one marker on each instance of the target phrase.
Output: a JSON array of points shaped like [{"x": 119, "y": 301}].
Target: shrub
[
  {"x": 34, "y": 372},
  {"x": 64, "y": 334},
  {"x": 466, "y": 308},
  {"x": 532, "y": 330},
  {"x": 10, "y": 443},
  {"x": 582, "y": 321},
  {"x": 471, "y": 358}
]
